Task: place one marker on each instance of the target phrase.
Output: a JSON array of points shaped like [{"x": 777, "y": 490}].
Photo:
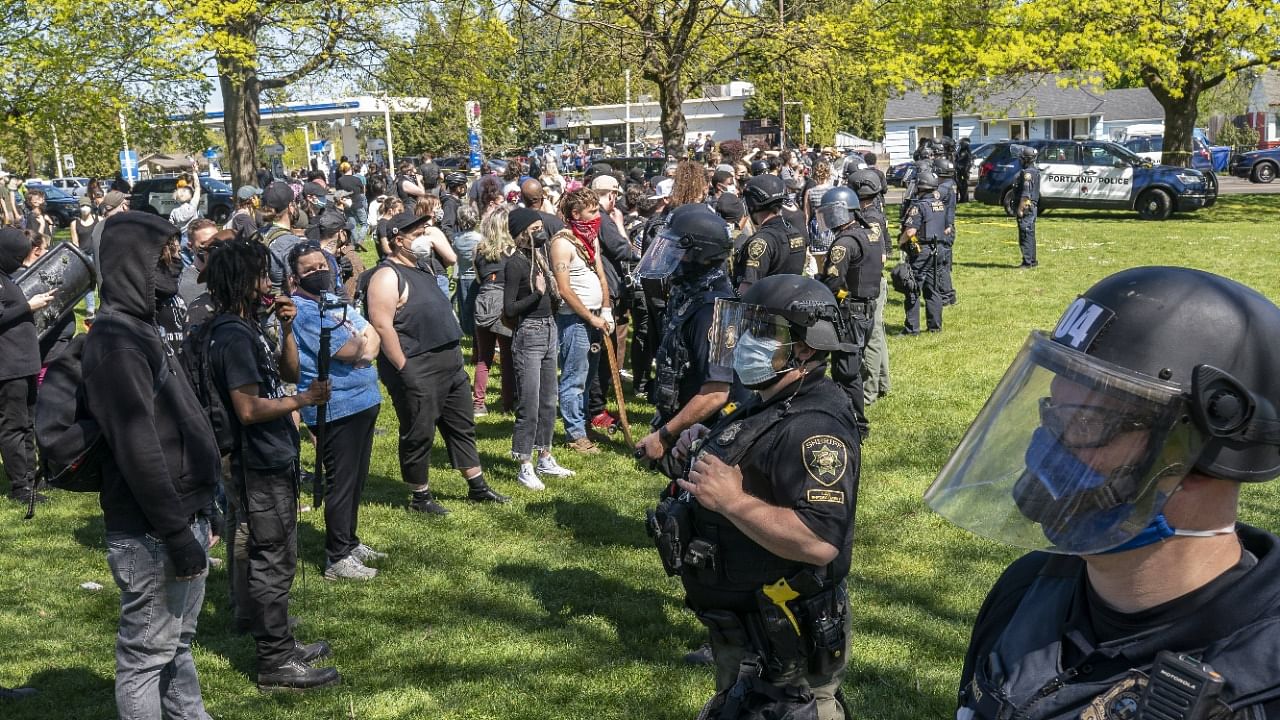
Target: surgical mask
[
  {"x": 421, "y": 247},
  {"x": 317, "y": 283},
  {"x": 753, "y": 361}
]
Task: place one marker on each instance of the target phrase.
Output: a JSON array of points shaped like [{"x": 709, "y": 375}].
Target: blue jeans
[
  {"x": 155, "y": 673},
  {"x": 465, "y": 303},
  {"x": 579, "y": 355}
]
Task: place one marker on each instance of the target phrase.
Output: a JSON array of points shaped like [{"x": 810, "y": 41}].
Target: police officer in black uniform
[
  {"x": 852, "y": 269},
  {"x": 776, "y": 248},
  {"x": 964, "y": 164},
  {"x": 760, "y": 531},
  {"x": 922, "y": 163},
  {"x": 1115, "y": 449},
  {"x": 688, "y": 388},
  {"x": 923, "y": 231},
  {"x": 945, "y": 169},
  {"x": 1026, "y": 198}
]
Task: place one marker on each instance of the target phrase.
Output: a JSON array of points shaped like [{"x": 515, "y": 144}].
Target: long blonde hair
[{"x": 497, "y": 242}]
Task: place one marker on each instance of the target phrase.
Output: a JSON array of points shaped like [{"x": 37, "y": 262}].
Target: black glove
[{"x": 189, "y": 556}]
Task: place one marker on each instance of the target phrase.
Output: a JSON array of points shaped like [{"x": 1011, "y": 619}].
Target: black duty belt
[{"x": 862, "y": 305}]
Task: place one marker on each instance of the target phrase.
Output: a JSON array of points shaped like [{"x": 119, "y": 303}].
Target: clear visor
[
  {"x": 1070, "y": 455},
  {"x": 662, "y": 258},
  {"x": 832, "y": 216},
  {"x": 731, "y": 320}
]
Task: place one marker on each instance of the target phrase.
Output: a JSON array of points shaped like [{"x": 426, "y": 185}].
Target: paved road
[{"x": 1227, "y": 185}]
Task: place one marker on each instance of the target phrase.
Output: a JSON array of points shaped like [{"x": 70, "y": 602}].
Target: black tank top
[{"x": 426, "y": 321}]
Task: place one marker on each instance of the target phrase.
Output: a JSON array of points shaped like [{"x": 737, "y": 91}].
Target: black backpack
[
  {"x": 199, "y": 367},
  {"x": 72, "y": 448},
  {"x": 903, "y": 277}
]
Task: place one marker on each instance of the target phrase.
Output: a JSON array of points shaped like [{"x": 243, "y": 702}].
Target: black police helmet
[
  {"x": 866, "y": 183},
  {"x": 839, "y": 195},
  {"x": 1211, "y": 335},
  {"x": 926, "y": 180},
  {"x": 455, "y": 179},
  {"x": 1025, "y": 153},
  {"x": 764, "y": 192},
  {"x": 701, "y": 232},
  {"x": 807, "y": 305},
  {"x": 944, "y": 168},
  {"x": 759, "y": 167},
  {"x": 925, "y": 152}
]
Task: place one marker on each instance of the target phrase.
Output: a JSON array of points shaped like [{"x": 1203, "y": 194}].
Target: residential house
[{"x": 1263, "y": 111}]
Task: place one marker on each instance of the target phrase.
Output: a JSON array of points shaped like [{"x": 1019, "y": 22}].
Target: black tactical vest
[
  {"x": 863, "y": 278},
  {"x": 672, "y": 358}
]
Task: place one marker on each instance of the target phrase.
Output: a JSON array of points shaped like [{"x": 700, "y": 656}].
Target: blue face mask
[
  {"x": 753, "y": 360},
  {"x": 1160, "y": 529}
]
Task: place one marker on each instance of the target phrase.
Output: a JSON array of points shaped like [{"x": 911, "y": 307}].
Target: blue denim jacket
[{"x": 354, "y": 389}]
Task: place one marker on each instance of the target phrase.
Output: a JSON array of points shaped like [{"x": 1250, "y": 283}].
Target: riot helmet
[
  {"x": 948, "y": 146},
  {"x": 759, "y": 167},
  {"x": 926, "y": 180},
  {"x": 866, "y": 183},
  {"x": 1025, "y": 153},
  {"x": 764, "y": 192},
  {"x": 836, "y": 208},
  {"x": 756, "y": 335},
  {"x": 944, "y": 168},
  {"x": 694, "y": 239},
  {"x": 1154, "y": 372}
]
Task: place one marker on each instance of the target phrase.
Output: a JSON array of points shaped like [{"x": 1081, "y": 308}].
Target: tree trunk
[
  {"x": 241, "y": 107},
  {"x": 948, "y": 111},
  {"x": 672, "y": 122},
  {"x": 1179, "y": 124}
]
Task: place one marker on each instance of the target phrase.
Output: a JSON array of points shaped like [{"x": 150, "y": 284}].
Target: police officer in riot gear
[
  {"x": 1115, "y": 449},
  {"x": 964, "y": 164},
  {"x": 776, "y": 247},
  {"x": 946, "y": 171},
  {"x": 759, "y": 167},
  {"x": 923, "y": 232},
  {"x": 923, "y": 163},
  {"x": 852, "y": 269},
  {"x": 869, "y": 185},
  {"x": 760, "y": 530},
  {"x": 1026, "y": 198},
  {"x": 688, "y": 388}
]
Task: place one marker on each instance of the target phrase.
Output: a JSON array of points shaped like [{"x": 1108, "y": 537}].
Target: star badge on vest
[
  {"x": 837, "y": 254},
  {"x": 755, "y": 249},
  {"x": 825, "y": 459},
  {"x": 1118, "y": 703},
  {"x": 729, "y": 434}
]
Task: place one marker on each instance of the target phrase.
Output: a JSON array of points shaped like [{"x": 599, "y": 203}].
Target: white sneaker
[
  {"x": 366, "y": 554},
  {"x": 529, "y": 478},
  {"x": 547, "y": 465},
  {"x": 349, "y": 568}
]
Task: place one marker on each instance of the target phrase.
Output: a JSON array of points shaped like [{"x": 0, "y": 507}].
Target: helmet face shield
[
  {"x": 732, "y": 320},
  {"x": 1070, "y": 455},
  {"x": 833, "y": 216},
  {"x": 663, "y": 257}
]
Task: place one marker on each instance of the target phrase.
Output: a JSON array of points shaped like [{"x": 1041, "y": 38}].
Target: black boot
[
  {"x": 297, "y": 675},
  {"x": 424, "y": 502},
  {"x": 481, "y": 492},
  {"x": 311, "y": 652}
]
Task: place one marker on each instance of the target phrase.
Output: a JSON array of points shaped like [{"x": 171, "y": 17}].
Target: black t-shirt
[
  {"x": 240, "y": 355},
  {"x": 351, "y": 184},
  {"x": 519, "y": 299}
]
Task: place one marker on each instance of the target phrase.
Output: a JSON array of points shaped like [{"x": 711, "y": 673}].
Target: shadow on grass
[
  {"x": 64, "y": 692},
  {"x": 93, "y": 533},
  {"x": 594, "y": 523}
]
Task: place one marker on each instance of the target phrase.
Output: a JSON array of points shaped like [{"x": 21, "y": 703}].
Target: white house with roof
[
  {"x": 1035, "y": 107},
  {"x": 1263, "y": 111}
]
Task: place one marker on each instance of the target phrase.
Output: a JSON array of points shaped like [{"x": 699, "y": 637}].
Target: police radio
[{"x": 1180, "y": 688}]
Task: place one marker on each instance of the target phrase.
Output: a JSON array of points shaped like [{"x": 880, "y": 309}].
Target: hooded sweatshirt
[
  {"x": 163, "y": 462},
  {"x": 19, "y": 345}
]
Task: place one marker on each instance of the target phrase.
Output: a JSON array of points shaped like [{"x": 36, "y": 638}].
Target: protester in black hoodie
[
  {"x": 19, "y": 364},
  {"x": 159, "y": 473}
]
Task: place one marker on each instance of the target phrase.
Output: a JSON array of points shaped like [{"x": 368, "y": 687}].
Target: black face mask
[
  {"x": 540, "y": 238},
  {"x": 317, "y": 283}
]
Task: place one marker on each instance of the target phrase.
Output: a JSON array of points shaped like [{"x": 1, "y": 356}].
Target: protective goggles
[{"x": 1071, "y": 454}]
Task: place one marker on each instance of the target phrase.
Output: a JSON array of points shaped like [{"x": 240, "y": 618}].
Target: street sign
[
  {"x": 69, "y": 163},
  {"x": 376, "y": 144},
  {"x": 129, "y": 165},
  {"x": 808, "y": 127},
  {"x": 272, "y": 150}
]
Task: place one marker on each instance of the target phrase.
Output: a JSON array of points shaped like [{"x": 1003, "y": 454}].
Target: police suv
[{"x": 1098, "y": 175}]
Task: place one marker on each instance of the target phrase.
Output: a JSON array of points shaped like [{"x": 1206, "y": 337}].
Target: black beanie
[
  {"x": 14, "y": 248},
  {"x": 520, "y": 219}
]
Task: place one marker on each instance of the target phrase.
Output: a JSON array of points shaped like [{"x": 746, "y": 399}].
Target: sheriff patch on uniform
[{"x": 825, "y": 459}]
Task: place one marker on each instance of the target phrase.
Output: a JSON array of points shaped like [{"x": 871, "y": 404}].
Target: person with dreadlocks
[{"x": 264, "y": 460}]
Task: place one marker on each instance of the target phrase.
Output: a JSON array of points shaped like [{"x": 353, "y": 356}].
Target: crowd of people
[{"x": 744, "y": 300}]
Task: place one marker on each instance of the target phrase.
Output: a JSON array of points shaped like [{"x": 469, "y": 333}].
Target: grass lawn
[{"x": 555, "y": 605}]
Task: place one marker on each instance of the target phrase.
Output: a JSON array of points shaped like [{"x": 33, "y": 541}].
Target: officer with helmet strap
[
  {"x": 688, "y": 388},
  {"x": 761, "y": 529},
  {"x": 1026, "y": 198},
  {"x": 869, "y": 185},
  {"x": 776, "y": 247},
  {"x": 1114, "y": 449},
  {"x": 923, "y": 234},
  {"x": 945, "y": 169},
  {"x": 852, "y": 269}
]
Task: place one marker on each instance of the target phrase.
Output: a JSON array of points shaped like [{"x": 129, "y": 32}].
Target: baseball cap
[
  {"x": 663, "y": 189},
  {"x": 113, "y": 200},
  {"x": 406, "y": 222},
  {"x": 312, "y": 187},
  {"x": 605, "y": 183},
  {"x": 331, "y": 221},
  {"x": 277, "y": 196},
  {"x": 247, "y": 191},
  {"x": 724, "y": 167}
]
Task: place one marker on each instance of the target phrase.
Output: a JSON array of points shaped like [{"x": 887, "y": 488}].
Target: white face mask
[
  {"x": 421, "y": 247},
  {"x": 753, "y": 360}
]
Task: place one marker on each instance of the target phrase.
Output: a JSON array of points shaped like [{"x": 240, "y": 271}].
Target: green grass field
[{"x": 555, "y": 605}]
